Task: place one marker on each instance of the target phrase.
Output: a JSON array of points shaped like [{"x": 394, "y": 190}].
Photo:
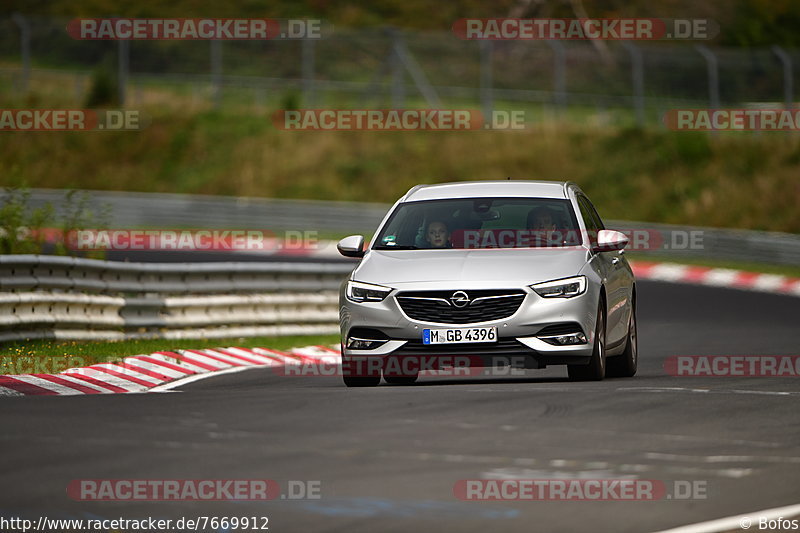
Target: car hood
[{"x": 491, "y": 267}]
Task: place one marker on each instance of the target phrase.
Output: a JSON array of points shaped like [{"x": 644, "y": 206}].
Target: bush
[
  {"x": 24, "y": 230},
  {"x": 103, "y": 92}
]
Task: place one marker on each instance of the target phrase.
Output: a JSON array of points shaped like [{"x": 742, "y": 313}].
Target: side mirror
[
  {"x": 609, "y": 240},
  {"x": 352, "y": 246}
]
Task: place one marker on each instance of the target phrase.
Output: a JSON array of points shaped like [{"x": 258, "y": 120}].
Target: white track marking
[
  {"x": 722, "y": 458},
  {"x": 128, "y": 371},
  {"x": 62, "y": 390},
  {"x": 260, "y": 359},
  {"x": 736, "y": 522},
  {"x": 176, "y": 362},
  {"x": 197, "y": 377},
  {"x": 129, "y": 386},
  {"x": 155, "y": 367},
  {"x": 77, "y": 381}
]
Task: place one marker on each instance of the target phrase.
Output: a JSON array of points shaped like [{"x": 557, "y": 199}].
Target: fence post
[
  {"x": 123, "y": 61},
  {"x": 713, "y": 74},
  {"x": 398, "y": 72},
  {"x": 216, "y": 72},
  {"x": 559, "y": 74},
  {"x": 487, "y": 98},
  {"x": 788, "y": 82},
  {"x": 25, "y": 48},
  {"x": 407, "y": 60},
  {"x": 637, "y": 78},
  {"x": 308, "y": 72}
]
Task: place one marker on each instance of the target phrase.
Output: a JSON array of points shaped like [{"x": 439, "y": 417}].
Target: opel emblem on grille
[{"x": 459, "y": 299}]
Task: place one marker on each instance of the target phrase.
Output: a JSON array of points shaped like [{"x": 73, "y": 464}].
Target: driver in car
[{"x": 543, "y": 229}]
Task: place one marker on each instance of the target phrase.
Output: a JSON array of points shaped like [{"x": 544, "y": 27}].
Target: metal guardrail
[
  {"x": 196, "y": 211},
  {"x": 722, "y": 244},
  {"x": 75, "y": 298},
  {"x": 136, "y": 210}
]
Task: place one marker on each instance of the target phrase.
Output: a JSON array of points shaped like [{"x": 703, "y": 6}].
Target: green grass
[
  {"x": 739, "y": 181},
  {"x": 733, "y": 179},
  {"x": 46, "y": 356}
]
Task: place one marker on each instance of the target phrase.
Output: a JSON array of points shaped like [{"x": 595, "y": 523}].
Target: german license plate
[{"x": 458, "y": 335}]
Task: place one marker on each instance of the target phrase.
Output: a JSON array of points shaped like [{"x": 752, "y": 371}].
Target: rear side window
[
  {"x": 595, "y": 215},
  {"x": 590, "y": 219}
]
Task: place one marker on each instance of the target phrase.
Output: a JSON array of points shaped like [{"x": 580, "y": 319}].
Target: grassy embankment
[{"x": 738, "y": 180}]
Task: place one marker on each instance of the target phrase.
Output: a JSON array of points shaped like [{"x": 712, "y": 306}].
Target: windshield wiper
[{"x": 406, "y": 247}]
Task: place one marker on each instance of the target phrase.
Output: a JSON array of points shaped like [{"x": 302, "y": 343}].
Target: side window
[
  {"x": 595, "y": 215},
  {"x": 588, "y": 220}
]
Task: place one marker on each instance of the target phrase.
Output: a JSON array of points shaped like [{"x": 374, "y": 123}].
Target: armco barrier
[
  {"x": 74, "y": 298},
  {"x": 153, "y": 210}
]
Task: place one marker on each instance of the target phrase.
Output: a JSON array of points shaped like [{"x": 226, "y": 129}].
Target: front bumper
[{"x": 518, "y": 334}]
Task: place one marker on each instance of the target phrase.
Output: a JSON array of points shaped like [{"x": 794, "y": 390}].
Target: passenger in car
[{"x": 438, "y": 235}]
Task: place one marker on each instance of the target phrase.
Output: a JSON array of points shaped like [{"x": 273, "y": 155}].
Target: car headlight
[
  {"x": 365, "y": 292},
  {"x": 561, "y": 288}
]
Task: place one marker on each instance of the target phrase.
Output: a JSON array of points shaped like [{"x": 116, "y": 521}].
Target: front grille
[{"x": 484, "y": 305}]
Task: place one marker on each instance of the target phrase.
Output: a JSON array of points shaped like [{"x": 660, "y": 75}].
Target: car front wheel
[
  {"x": 596, "y": 369},
  {"x": 360, "y": 372},
  {"x": 624, "y": 366}
]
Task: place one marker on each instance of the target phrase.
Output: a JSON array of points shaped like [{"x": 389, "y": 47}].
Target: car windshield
[{"x": 470, "y": 223}]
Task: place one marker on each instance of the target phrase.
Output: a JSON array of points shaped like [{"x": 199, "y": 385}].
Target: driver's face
[
  {"x": 543, "y": 222},
  {"x": 437, "y": 234}
]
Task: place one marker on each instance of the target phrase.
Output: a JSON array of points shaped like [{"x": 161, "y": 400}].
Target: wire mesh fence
[{"x": 394, "y": 68}]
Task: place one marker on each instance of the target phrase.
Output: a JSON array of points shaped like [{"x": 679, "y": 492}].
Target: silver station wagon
[{"x": 516, "y": 273}]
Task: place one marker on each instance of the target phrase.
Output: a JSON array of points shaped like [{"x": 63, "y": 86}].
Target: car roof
[{"x": 484, "y": 188}]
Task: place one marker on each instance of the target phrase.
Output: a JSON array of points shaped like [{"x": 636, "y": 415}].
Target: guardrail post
[
  {"x": 487, "y": 98},
  {"x": 123, "y": 61},
  {"x": 637, "y": 78},
  {"x": 420, "y": 80},
  {"x": 308, "y": 72},
  {"x": 25, "y": 49},
  {"x": 216, "y": 72},
  {"x": 559, "y": 74},
  {"x": 398, "y": 73},
  {"x": 713, "y": 74}
]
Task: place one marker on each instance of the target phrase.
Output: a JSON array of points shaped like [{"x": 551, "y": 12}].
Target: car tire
[
  {"x": 354, "y": 376},
  {"x": 361, "y": 381},
  {"x": 400, "y": 371},
  {"x": 401, "y": 380},
  {"x": 625, "y": 365},
  {"x": 596, "y": 369}
]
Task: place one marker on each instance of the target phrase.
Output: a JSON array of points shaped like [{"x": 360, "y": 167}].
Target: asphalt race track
[{"x": 388, "y": 458}]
